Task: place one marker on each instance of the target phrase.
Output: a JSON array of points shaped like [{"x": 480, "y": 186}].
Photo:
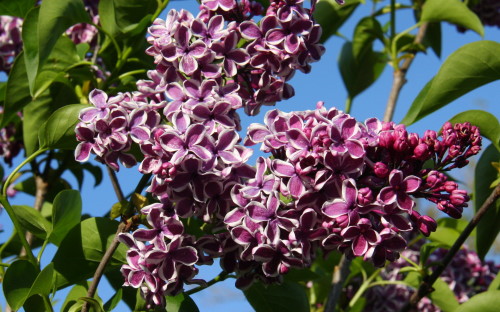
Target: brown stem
[
  {"x": 42, "y": 187},
  {"x": 104, "y": 262},
  {"x": 123, "y": 227},
  {"x": 116, "y": 184},
  {"x": 340, "y": 273},
  {"x": 426, "y": 285},
  {"x": 400, "y": 76}
]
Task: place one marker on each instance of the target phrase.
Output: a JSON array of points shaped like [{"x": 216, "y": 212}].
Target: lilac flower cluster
[
  {"x": 163, "y": 266},
  {"x": 337, "y": 184},
  {"x": 333, "y": 183},
  {"x": 466, "y": 276},
  {"x": 10, "y": 41},
  {"x": 224, "y": 45}
]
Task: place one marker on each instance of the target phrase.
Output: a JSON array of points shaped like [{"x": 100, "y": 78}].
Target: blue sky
[{"x": 323, "y": 83}]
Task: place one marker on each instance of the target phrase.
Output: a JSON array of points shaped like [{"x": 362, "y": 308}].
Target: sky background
[{"x": 323, "y": 83}]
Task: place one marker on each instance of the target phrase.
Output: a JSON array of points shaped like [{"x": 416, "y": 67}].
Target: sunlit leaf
[
  {"x": 468, "y": 68},
  {"x": 452, "y": 11},
  {"x": 361, "y": 72},
  {"x": 33, "y": 221},
  {"x": 181, "y": 303},
  {"x": 330, "y": 15},
  {"x": 487, "y": 301},
  {"x": 59, "y": 130},
  {"x": 66, "y": 213},
  {"x": 83, "y": 248}
]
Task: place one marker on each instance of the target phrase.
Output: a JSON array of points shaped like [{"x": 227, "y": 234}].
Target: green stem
[
  {"x": 42, "y": 249},
  {"x": 47, "y": 304},
  {"x": 131, "y": 73},
  {"x": 348, "y": 104},
  {"x": 394, "y": 52},
  {"x": 161, "y": 6},
  {"x": 411, "y": 262},
  {"x": 113, "y": 41},
  {"x": 363, "y": 287},
  {"x": 19, "y": 230},
  {"x": 5, "y": 265},
  {"x": 393, "y": 19},
  {"x": 383, "y": 283},
  {"x": 16, "y": 170}
]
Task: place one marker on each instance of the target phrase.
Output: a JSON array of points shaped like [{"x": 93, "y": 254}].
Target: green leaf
[
  {"x": 495, "y": 284},
  {"x": 113, "y": 301},
  {"x": 443, "y": 296},
  {"x": 468, "y": 68},
  {"x": 301, "y": 275},
  {"x": 118, "y": 16},
  {"x": 21, "y": 282},
  {"x": 55, "y": 17},
  {"x": 59, "y": 130},
  {"x": 487, "y": 301},
  {"x": 367, "y": 30},
  {"x": 66, "y": 212},
  {"x": 83, "y": 248},
  {"x": 288, "y": 296},
  {"x": 17, "y": 282},
  {"x": 39, "y": 110},
  {"x": 44, "y": 282},
  {"x": 488, "y": 124},
  {"x": 451, "y": 11},
  {"x": 34, "y": 304},
  {"x": 445, "y": 236},
  {"x": 433, "y": 38},
  {"x": 359, "y": 73},
  {"x": 489, "y": 225},
  {"x": 330, "y": 15},
  {"x": 18, "y": 95},
  {"x": 181, "y": 303},
  {"x": 32, "y": 221},
  {"x": 74, "y": 299},
  {"x": 17, "y": 8}
]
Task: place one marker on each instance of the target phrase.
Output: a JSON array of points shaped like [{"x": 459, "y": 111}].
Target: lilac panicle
[{"x": 333, "y": 183}]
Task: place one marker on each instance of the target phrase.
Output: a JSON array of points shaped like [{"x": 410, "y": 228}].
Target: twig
[
  {"x": 102, "y": 265},
  {"x": 400, "y": 76},
  {"x": 124, "y": 226},
  {"x": 41, "y": 191},
  {"x": 340, "y": 273},
  {"x": 426, "y": 285},
  {"x": 116, "y": 184}
]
